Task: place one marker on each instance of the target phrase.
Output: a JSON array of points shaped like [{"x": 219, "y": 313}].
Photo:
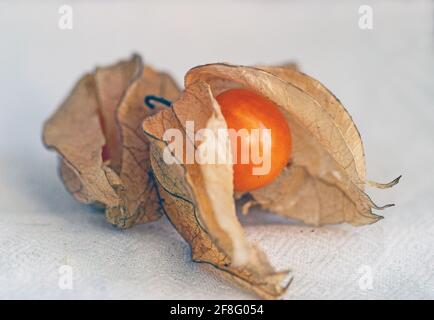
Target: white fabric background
[{"x": 384, "y": 77}]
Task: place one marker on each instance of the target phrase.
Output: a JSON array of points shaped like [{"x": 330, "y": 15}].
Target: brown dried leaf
[
  {"x": 111, "y": 84},
  {"x": 328, "y": 101},
  {"x": 139, "y": 199},
  {"x": 74, "y": 132},
  {"x": 106, "y": 109},
  {"x": 324, "y": 183},
  {"x": 198, "y": 198}
]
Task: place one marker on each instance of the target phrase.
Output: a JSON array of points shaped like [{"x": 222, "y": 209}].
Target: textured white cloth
[{"x": 384, "y": 76}]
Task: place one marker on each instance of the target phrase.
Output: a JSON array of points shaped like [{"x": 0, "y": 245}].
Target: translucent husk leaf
[
  {"x": 139, "y": 199},
  {"x": 111, "y": 84},
  {"x": 198, "y": 198},
  {"x": 324, "y": 182},
  {"x": 105, "y": 110},
  {"x": 74, "y": 132}
]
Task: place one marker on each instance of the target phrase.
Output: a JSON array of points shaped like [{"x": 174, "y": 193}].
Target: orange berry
[{"x": 244, "y": 109}]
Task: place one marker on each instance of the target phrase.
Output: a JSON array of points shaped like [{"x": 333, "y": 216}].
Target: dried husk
[
  {"x": 323, "y": 183},
  {"x": 106, "y": 109},
  {"x": 325, "y": 179},
  {"x": 198, "y": 198}
]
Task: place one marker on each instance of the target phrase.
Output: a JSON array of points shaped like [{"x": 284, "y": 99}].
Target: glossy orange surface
[{"x": 245, "y": 109}]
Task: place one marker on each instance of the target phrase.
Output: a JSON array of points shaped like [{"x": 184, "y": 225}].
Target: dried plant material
[
  {"x": 324, "y": 183},
  {"x": 337, "y": 112},
  {"x": 75, "y": 133},
  {"x": 111, "y": 84},
  {"x": 139, "y": 199},
  {"x": 112, "y": 150},
  {"x": 198, "y": 198},
  {"x": 104, "y": 113}
]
